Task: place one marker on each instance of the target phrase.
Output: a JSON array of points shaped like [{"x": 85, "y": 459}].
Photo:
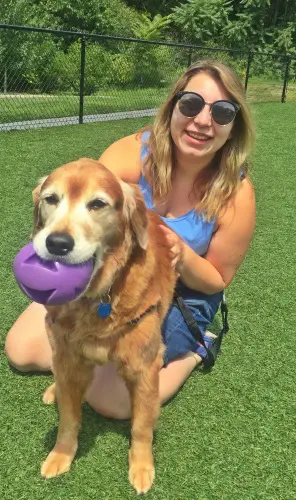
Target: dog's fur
[{"x": 132, "y": 264}]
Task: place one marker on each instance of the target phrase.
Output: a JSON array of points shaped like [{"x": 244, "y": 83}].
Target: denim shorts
[{"x": 175, "y": 333}]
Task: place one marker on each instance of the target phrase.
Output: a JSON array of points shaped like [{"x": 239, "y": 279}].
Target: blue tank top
[{"x": 191, "y": 227}]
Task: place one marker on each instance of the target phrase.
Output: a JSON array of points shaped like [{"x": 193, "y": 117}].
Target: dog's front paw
[
  {"x": 141, "y": 475},
  {"x": 56, "y": 463},
  {"x": 49, "y": 395}
]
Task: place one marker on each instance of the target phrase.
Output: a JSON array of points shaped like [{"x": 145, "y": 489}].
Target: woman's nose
[{"x": 204, "y": 118}]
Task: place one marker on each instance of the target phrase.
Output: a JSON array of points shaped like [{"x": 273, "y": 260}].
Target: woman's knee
[
  {"x": 27, "y": 347},
  {"x": 18, "y": 353},
  {"x": 107, "y": 409},
  {"x": 19, "y": 366},
  {"x": 14, "y": 352},
  {"x": 108, "y": 394}
]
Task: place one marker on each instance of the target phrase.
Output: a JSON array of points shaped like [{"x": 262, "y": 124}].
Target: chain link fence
[{"x": 51, "y": 78}]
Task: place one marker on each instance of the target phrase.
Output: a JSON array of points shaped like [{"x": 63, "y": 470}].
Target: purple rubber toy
[{"x": 50, "y": 282}]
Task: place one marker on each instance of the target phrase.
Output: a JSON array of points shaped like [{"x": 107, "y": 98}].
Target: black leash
[
  {"x": 213, "y": 351},
  {"x": 147, "y": 311}
]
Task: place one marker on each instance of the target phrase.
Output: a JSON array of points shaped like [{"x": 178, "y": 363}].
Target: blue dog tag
[{"x": 104, "y": 310}]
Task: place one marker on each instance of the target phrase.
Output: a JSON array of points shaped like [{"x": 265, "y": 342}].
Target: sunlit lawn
[
  {"x": 19, "y": 107},
  {"x": 227, "y": 435}
]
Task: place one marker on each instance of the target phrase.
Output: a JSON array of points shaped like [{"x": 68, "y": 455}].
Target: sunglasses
[{"x": 191, "y": 104}]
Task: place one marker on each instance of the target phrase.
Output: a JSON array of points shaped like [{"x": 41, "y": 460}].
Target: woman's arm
[
  {"x": 123, "y": 158},
  {"x": 227, "y": 249}
]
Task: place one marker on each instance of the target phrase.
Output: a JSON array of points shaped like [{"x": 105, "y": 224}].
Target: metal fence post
[
  {"x": 5, "y": 80},
  {"x": 284, "y": 93},
  {"x": 82, "y": 74},
  {"x": 189, "y": 58},
  {"x": 248, "y": 70}
]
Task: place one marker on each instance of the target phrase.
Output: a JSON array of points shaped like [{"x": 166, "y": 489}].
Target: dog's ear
[
  {"x": 134, "y": 210},
  {"x": 36, "y": 201}
]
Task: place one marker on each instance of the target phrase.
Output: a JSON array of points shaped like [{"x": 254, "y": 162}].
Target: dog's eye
[
  {"x": 51, "y": 199},
  {"x": 96, "y": 204}
]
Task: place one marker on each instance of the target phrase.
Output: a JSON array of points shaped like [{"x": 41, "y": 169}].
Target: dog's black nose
[{"x": 59, "y": 243}]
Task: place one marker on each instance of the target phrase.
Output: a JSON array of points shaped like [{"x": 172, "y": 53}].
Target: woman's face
[{"x": 199, "y": 138}]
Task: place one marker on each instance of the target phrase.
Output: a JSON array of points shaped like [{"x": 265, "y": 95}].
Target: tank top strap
[
  {"x": 243, "y": 172},
  {"x": 144, "y": 145}
]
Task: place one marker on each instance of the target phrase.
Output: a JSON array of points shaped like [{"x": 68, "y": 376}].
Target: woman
[{"x": 192, "y": 169}]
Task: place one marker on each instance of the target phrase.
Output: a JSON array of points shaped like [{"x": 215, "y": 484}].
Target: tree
[
  {"x": 153, "y": 7},
  {"x": 201, "y": 21},
  {"x": 150, "y": 29},
  {"x": 108, "y": 17}
]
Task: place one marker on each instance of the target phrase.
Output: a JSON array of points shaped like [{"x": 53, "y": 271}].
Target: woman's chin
[{"x": 197, "y": 151}]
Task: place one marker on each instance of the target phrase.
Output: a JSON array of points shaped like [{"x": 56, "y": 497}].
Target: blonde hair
[{"x": 221, "y": 178}]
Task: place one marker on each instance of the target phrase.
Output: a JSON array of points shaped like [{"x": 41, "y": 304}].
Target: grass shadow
[
  {"x": 28, "y": 374},
  {"x": 93, "y": 425}
]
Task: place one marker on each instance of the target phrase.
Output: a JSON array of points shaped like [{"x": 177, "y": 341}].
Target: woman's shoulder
[
  {"x": 123, "y": 158},
  {"x": 241, "y": 206},
  {"x": 245, "y": 193}
]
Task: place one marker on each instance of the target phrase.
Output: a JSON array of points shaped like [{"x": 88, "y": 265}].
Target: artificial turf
[{"x": 229, "y": 434}]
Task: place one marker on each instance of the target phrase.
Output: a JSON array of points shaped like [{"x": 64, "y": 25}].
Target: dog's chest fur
[
  {"x": 99, "y": 354},
  {"x": 99, "y": 340}
]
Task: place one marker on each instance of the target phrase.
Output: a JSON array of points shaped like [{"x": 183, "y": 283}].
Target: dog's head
[{"x": 82, "y": 209}]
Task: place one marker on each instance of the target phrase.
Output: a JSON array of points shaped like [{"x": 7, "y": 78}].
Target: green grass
[
  {"x": 19, "y": 107},
  {"x": 269, "y": 91},
  {"x": 227, "y": 435}
]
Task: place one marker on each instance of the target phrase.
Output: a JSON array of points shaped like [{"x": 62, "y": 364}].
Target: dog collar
[
  {"x": 104, "y": 310},
  {"x": 148, "y": 310}
]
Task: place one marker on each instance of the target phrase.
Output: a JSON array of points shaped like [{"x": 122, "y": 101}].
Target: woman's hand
[{"x": 176, "y": 246}]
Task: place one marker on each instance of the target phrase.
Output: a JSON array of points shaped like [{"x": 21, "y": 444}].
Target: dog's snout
[{"x": 59, "y": 243}]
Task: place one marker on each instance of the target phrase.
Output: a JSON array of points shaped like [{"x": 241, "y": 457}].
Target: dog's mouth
[
  {"x": 63, "y": 248},
  {"x": 72, "y": 260}
]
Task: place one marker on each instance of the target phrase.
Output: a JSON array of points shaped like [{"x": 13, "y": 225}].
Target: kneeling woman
[{"x": 191, "y": 166}]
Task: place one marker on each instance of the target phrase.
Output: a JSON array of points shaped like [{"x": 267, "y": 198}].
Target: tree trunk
[{"x": 276, "y": 11}]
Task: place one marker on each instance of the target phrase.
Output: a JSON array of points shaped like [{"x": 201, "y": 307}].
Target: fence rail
[{"x": 51, "y": 77}]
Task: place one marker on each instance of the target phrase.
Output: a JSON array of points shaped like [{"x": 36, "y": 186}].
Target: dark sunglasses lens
[
  {"x": 223, "y": 112},
  {"x": 190, "y": 105}
]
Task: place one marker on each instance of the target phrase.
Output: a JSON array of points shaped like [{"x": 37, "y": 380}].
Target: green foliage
[
  {"x": 110, "y": 17},
  {"x": 201, "y": 21},
  {"x": 115, "y": 18},
  {"x": 66, "y": 68},
  {"x": 150, "y": 29},
  {"x": 170, "y": 63},
  {"x": 38, "y": 58},
  {"x": 237, "y": 32},
  {"x": 153, "y": 7},
  {"x": 249, "y": 24},
  {"x": 284, "y": 39},
  {"x": 43, "y": 63},
  {"x": 121, "y": 71}
]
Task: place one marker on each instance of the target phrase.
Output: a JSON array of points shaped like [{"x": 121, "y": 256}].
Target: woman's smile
[{"x": 197, "y": 138}]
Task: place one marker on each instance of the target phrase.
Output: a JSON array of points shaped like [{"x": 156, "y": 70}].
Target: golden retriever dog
[{"x": 105, "y": 219}]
